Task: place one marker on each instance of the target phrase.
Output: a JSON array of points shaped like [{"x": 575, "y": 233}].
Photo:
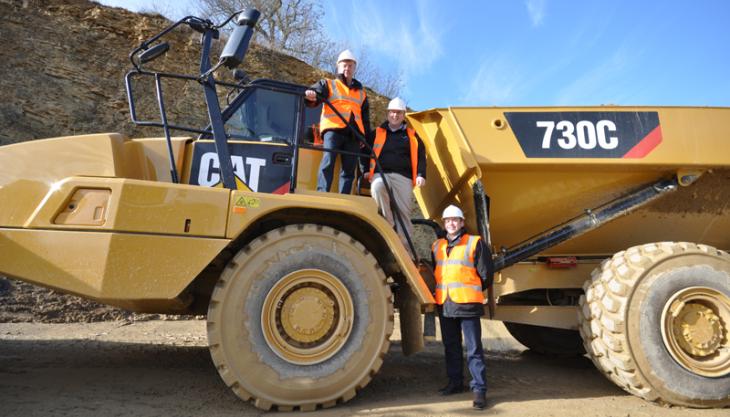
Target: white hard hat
[
  {"x": 452, "y": 211},
  {"x": 397, "y": 104},
  {"x": 346, "y": 55}
]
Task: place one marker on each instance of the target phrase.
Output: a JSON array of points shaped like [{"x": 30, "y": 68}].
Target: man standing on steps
[
  {"x": 347, "y": 95},
  {"x": 402, "y": 157},
  {"x": 463, "y": 270}
]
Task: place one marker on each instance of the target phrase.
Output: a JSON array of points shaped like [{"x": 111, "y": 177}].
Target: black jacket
[
  {"x": 322, "y": 88},
  {"x": 485, "y": 269},
  {"x": 396, "y": 154}
]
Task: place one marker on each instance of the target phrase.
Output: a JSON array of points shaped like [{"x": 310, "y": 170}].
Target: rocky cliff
[{"x": 62, "y": 66}]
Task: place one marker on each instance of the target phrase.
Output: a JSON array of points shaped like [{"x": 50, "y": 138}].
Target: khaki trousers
[{"x": 402, "y": 188}]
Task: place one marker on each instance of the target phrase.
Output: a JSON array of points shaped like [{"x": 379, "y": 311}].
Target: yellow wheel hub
[
  {"x": 695, "y": 330},
  {"x": 307, "y": 316}
]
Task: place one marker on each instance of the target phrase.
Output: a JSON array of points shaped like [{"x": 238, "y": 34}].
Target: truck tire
[
  {"x": 547, "y": 340},
  {"x": 300, "y": 319},
  {"x": 655, "y": 319}
]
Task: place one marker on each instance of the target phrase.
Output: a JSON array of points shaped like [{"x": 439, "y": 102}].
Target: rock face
[
  {"x": 63, "y": 63},
  {"x": 62, "y": 67}
]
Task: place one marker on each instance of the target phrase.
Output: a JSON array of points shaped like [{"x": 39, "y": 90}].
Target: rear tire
[
  {"x": 547, "y": 340},
  {"x": 300, "y": 319},
  {"x": 655, "y": 320}
]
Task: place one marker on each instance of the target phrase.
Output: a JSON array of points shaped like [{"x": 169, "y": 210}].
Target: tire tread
[
  {"x": 221, "y": 288},
  {"x": 603, "y": 312}
]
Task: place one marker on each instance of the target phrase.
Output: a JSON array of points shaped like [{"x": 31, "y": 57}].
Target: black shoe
[
  {"x": 480, "y": 400},
  {"x": 452, "y": 388}
]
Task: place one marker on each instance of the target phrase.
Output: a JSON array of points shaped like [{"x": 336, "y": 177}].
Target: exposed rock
[{"x": 63, "y": 65}]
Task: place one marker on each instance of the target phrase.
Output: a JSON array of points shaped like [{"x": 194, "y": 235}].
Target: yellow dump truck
[{"x": 605, "y": 223}]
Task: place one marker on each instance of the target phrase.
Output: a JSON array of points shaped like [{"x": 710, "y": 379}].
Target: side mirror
[
  {"x": 154, "y": 52},
  {"x": 237, "y": 44}
]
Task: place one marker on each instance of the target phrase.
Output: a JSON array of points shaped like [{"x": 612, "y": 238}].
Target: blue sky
[{"x": 538, "y": 52}]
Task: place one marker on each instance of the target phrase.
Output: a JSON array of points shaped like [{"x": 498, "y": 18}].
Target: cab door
[{"x": 261, "y": 125}]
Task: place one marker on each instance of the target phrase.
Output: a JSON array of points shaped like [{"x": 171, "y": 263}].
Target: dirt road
[{"x": 162, "y": 368}]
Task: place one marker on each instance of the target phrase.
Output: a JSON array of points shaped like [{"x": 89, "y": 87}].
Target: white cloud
[
  {"x": 600, "y": 84},
  {"x": 536, "y": 10},
  {"x": 498, "y": 81},
  {"x": 412, "y": 40}
]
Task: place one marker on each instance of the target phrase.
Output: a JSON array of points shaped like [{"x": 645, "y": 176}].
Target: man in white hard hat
[
  {"x": 463, "y": 271},
  {"x": 348, "y": 96},
  {"x": 402, "y": 157}
]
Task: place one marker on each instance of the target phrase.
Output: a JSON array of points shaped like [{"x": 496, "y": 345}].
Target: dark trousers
[
  {"x": 340, "y": 140},
  {"x": 451, "y": 330}
]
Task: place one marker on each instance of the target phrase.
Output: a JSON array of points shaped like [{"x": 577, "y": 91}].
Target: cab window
[
  {"x": 310, "y": 133},
  {"x": 264, "y": 116}
]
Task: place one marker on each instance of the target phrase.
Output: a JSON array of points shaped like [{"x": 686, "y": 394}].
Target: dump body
[{"x": 535, "y": 179}]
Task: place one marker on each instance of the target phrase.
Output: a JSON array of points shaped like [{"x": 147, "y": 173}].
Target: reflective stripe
[
  {"x": 335, "y": 116},
  {"x": 452, "y": 285},
  {"x": 469, "y": 244},
  {"x": 332, "y": 116},
  {"x": 336, "y": 95},
  {"x": 345, "y": 98},
  {"x": 455, "y": 262}
]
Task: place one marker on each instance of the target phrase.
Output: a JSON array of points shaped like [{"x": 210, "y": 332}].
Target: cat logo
[
  {"x": 209, "y": 173},
  {"x": 257, "y": 167}
]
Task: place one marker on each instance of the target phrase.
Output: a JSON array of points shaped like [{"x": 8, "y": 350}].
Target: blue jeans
[
  {"x": 340, "y": 140},
  {"x": 451, "y": 330}
]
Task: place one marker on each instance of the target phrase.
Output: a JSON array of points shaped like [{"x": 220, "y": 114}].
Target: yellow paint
[{"x": 116, "y": 268}]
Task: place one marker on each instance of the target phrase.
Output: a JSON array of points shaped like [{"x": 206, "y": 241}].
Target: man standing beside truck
[
  {"x": 347, "y": 95},
  {"x": 402, "y": 157},
  {"x": 463, "y": 269}
]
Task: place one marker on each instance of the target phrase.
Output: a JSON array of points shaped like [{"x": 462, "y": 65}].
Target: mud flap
[
  {"x": 429, "y": 320},
  {"x": 411, "y": 321},
  {"x": 491, "y": 305}
]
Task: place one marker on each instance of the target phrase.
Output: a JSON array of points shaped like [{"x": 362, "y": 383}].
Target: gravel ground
[{"x": 154, "y": 368}]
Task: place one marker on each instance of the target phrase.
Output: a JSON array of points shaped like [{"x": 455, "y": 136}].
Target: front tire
[
  {"x": 656, "y": 320},
  {"x": 300, "y": 319}
]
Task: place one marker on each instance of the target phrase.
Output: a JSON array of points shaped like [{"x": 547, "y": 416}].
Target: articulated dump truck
[{"x": 607, "y": 227}]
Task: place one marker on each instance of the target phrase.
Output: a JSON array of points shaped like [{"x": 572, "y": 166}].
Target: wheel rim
[
  {"x": 695, "y": 330},
  {"x": 306, "y": 316}
]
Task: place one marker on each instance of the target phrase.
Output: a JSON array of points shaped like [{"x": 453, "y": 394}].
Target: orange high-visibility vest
[
  {"x": 347, "y": 101},
  {"x": 456, "y": 274},
  {"x": 380, "y": 136}
]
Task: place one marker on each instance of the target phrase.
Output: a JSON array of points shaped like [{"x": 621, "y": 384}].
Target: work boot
[
  {"x": 452, "y": 387},
  {"x": 480, "y": 400}
]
